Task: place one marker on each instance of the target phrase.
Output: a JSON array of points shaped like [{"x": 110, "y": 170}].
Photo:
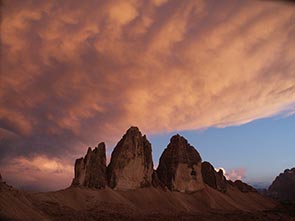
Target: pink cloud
[
  {"x": 38, "y": 172},
  {"x": 233, "y": 174},
  {"x": 94, "y": 65}
]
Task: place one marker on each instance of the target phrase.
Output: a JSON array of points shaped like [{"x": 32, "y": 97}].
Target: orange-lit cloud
[
  {"x": 74, "y": 74},
  {"x": 38, "y": 172}
]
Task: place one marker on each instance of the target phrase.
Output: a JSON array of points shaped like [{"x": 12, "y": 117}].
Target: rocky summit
[
  {"x": 131, "y": 164},
  {"x": 213, "y": 178},
  {"x": 180, "y": 166},
  {"x": 243, "y": 187},
  {"x": 131, "y": 167},
  {"x": 283, "y": 187},
  {"x": 90, "y": 171},
  {"x": 207, "y": 195}
]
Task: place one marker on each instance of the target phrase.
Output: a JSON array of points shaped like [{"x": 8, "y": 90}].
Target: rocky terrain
[
  {"x": 181, "y": 188},
  {"x": 214, "y": 179},
  {"x": 131, "y": 164},
  {"x": 180, "y": 166},
  {"x": 90, "y": 171},
  {"x": 283, "y": 187}
]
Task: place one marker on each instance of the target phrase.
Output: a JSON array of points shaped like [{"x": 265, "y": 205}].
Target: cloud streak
[{"x": 74, "y": 74}]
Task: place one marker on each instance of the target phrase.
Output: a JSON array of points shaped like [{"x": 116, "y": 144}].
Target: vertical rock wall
[
  {"x": 131, "y": 164},
  {"x": 90, "y": 171},
  {"x": 180, "y": 166}
]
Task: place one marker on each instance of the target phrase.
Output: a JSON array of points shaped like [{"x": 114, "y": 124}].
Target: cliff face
[
  {"x": 131, "y": 167},
  {"x": 212, "y": 178},
  {"x": 131, "y": 164},
  {"x": 180, "y": 166},
  {"x": 90, "y": 171},
  {"x": 283, "y": 187}
]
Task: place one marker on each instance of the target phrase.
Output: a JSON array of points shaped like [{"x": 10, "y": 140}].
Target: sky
[
  {"x": 255, "y": 152},
  {"x": 221, "y": 73}
]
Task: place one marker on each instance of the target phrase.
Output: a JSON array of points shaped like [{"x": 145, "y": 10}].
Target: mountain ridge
[{"x": 181, "y": 188}]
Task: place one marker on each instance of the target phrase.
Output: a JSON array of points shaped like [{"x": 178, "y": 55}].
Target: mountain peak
[
  {"x": 282, "y": 187},
  {"x": 133, "y": 131},
  {"x": 180, "y": 166},
  {"x": 90, "y": 171},
  {"x": 212, "y": 178},
  {"x": 184, "y": 151},
  {"x": 178, "y": 139},
  {"x": 131, "y": 164}
]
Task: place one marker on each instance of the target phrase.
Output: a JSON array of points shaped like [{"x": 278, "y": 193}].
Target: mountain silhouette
[{"x": 129, "y": 188}]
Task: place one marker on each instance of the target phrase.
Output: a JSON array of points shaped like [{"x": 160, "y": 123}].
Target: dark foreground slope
[{"x": 78, "y": 203}]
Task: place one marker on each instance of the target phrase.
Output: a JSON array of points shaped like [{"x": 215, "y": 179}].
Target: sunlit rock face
[
  {"x": 131, "y": 164},
  {"x": 90, "y": 171},
  {"x": 180, "y": 166},
  {"x": 212, "y": 178}
]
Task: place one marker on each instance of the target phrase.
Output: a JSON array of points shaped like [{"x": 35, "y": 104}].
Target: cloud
[
  {"x": 236, "y": 174},
  {"x": 76, "y": 74},
  {"x": 38, "y": 173},
  {"x": 233, "y": 174}
]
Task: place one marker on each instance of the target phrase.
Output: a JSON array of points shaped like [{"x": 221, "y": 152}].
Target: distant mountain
[
  {"x": 283, "y": 187},
  {"x": 181, "y": 188}
]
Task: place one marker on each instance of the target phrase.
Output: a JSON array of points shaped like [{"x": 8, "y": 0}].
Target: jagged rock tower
[
  {"x": 90, "y": 171},
  {"x": 212, "y": 178},
  {"x": 131, "y": 164},
  {"x": 131, "y": 167},
  {"x": 180, "y": 166}
]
